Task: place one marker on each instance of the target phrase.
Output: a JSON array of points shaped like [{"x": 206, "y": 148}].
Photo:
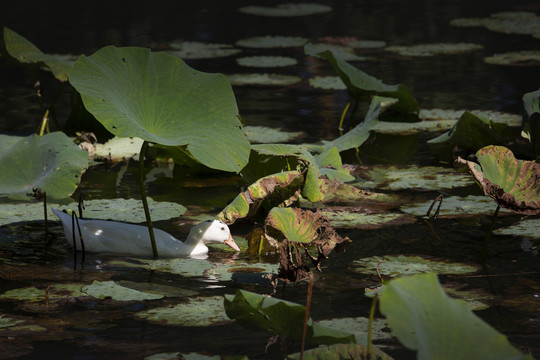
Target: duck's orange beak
[{"x": 231, "y": 243}]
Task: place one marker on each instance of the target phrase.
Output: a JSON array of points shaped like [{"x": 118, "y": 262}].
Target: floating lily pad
[
  {"x": 343, "y": 52},
  {"x": 52, "y": 293},
  {"x": 359, "y": 220},
  {"x": 286, "y": 10},
  {"x": 404, "y": 128},
  {"x": 341, "y": 351},
  {"x": 525, "y": 23},
  {"x": 51, "y": 163},
  {"x": 110, "y": 289},
  {"x": 518, "y": 58},
  {"x": 266, "y": 135},
  {"x": 327, "y": 83},
  {"x": 425, "y": 319},
  {"x": 201, "y": 50},
  {"x": 269, "y": 42},
  {"x": 117, "y": 209},
  {"x": 359, "y": 327},
  {"x": 413, "y": 177},
  {"x": 266, "y": 61},
  {"x": 200, "y": 311},
  {"x": 449, "y": 114},
  {"x": 119, "y": 148},
  {"x": 367, "y": 44},
  {"x": 526, "y": 227},
  {"x": 263, "y": 79},
  {"x": 434, "y": 49},
  {"x": 513, "y": 184},
  {"x": 26, "y": 52},
  {"x": 402, "y": 265},
  {"x": 455, "y": 206}
]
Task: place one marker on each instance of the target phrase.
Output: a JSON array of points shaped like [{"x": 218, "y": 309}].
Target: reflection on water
[{"x": 453, "y": 81}]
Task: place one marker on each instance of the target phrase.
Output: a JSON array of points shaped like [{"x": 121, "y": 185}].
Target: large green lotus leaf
[
  {"x": 110, "y": 289},
  {"x": 513, "y": 184},
  {"x": 330, "y": 165},
  {"x": 26, "y": 52},
  {"x": 361, "y": 85},
  {"x": 531, "y": 119},
  {"x": 51, "y": 163},
  {"x": 157, "y": 97},
  {"x": 295, "y": 225},
  {"x": 425, "y": 319},
  {"x": 470, "y": 133},
  {"x": 281, "y": 317}
]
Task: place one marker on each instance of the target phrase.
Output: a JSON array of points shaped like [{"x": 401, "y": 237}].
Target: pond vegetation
[{"x": 307, "y": 209}]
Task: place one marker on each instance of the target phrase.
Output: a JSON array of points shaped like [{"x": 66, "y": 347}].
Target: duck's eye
[{"x": 222, "y": 228}]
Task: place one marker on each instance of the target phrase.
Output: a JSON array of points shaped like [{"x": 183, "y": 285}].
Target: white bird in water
[{"x": 118, "y": 238}]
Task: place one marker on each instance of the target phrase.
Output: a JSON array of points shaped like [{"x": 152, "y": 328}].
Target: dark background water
[{"x": 453, "y": 82}]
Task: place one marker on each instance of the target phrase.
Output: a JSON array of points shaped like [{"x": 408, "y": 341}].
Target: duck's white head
[{"x": 214, "y": 231}]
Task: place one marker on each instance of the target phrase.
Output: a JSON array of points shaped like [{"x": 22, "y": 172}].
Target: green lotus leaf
[
  {"x": 515, "y": 58},
  {"x": 513, "y": 184},
  {"x": 201, "y": 50},
  {"x": 531, "y": 119},
  {"x": 155, "y": 96},
  {"x": 434, "y": 49},
  {"x": 294, "y": 224},
  {"x": 26, "y": 52},
  {"x": 266, "y": 61},
  {"x": 282, "y": 185},
  {"x": 51, "y": 163},
  {"x": 281, "y": 317},
  {"x": 341, "y": 351},
  {"x": 265, "y": 135},
  {"x": 286, "y": 10},
  {"x": 110, "y": 289},
  {"x": 269, "y": 42},
  {"x": 200, "y": 311},
  {"x": 327, "y": 83},
  {"x": 330, "y": 165},
  {"x": 508, "y": 22},
  {"x": 361, "y": 85},
  {"x": 424, "y": 318},
  {"x": 470, "y": 133},
  {"x": 263, "y": 79}
]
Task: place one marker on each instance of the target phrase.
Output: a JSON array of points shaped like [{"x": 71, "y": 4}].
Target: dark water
[{"x": 453, "y": 82}]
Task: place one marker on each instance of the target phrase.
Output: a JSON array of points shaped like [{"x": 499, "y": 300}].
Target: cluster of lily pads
[{"x": 120, "y": 87}]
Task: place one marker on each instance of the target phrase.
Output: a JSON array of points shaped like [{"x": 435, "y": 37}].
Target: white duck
[{"x": 112, "y": 237}]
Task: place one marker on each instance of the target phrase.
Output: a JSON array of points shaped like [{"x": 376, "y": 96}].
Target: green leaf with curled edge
[
  {"x": 424, "y": 318},
  {"x": 514, "y": 184},
  {"x": 26, "y": 52},
  {"x": 361, "y": 85},
  {"x": 294, "y": 224}
]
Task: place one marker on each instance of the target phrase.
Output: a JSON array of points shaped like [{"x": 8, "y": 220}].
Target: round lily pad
[
  {"x": 526, "y": 227},
  {"x": 263, "y": 134},
  {"x": 414, "y": 177},
  {"x": 518, "y": 22},
  {"x": 110, "y": 289},
  {"x": 359, "y": 327},
  {"x": 269, "y": 42},
  {"x": 119, "y": 148},
  {"x": 343, "y": 52},
  {"x": 367, "y": 44},
  {"x": 344, "y": 219},
  {"x": 450, "y": 114},
  {"x": 327, "y": 83},
  {"x": 201, "y": 311},
  {"x": 263, "y": 79},
  {"x": 286, "y": 10},
  {"x": 53, "y": 292},
  {"x": 266, "y": 61},
  {"x": 201, "y": 50},
  {"x": 518, "y": 58},
  {"x": 402, "y": 265},
  {"x": 434, "y": 49},
  {"x": 456, "y": 206}
]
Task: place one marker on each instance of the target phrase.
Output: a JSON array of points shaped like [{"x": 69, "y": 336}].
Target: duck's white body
[{"x": 112, "y": 237}]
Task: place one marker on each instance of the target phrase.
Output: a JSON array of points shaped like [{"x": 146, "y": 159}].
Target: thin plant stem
[
  {"x": 370, "y": 325},
  {"x": 74, "y": 240},
  {"x": 83, "y": 248},
  {"x": 45, "y": 213},
  {"x": 145, "y": 201},
  {"x": 343, "y": 117},
  {"x": 491, "y": 226},
  {"x": 44, "y": 123},
  {"x": 306, "y": 317}
]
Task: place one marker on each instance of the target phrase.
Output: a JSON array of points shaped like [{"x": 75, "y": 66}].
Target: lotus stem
[
  {"x": 306, "y": 317},
  {"x": 44, "y": 123},
  {"x": 491, "y": 226},
  {"x": 370, "y": 325},
  {"x": 45, "y": 212},
  {"x": 144, "y": 200}
]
